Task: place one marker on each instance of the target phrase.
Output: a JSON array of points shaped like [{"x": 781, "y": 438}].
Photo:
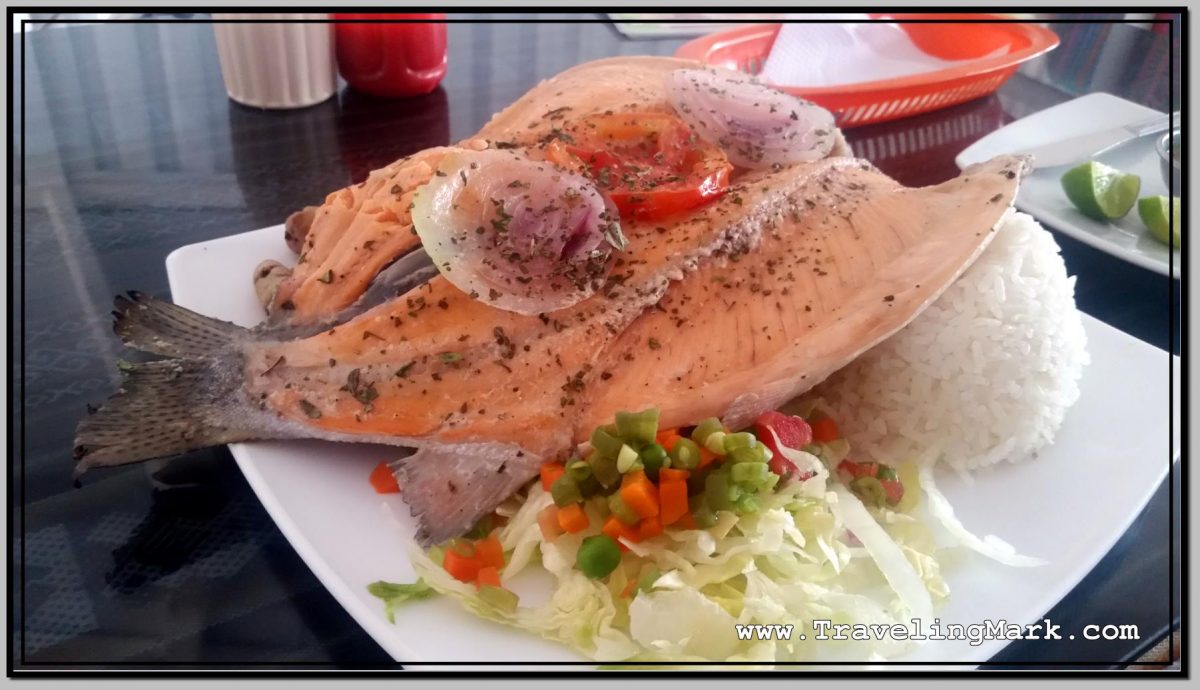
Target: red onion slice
[
  {"x": 757, "y": 126},
  {"x": 521, "y": 235}
]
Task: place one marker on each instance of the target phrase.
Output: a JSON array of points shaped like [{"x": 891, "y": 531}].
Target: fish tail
[
  {"x": 449, "y": 487},
  {"x": 165, "y": 408},
  {"x": 152, "y": 325}
]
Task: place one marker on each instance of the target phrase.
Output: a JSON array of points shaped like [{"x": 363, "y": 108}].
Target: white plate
[
  {"x": 319, "y": 496},
  {"x": 1042, "y": 195}
]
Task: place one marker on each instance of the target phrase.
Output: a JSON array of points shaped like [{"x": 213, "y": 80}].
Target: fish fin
[
  {"x": 166, "y": 408},
  {"x": 152, "y": 325},
  {"x": 449, "y": 487}
]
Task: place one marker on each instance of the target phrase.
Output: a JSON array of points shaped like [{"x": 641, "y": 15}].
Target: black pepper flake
[
  {"x": 889, "y": 298},
  {"x": 450, "y": 357},
  {"x": 443, "y": 303},
  {"x": 653, "y": 343},
  {"x": 605, "y": 375},
  {"x": 287, "y": 305},
  {"x": 310, "y": 410},
  {"x": 369, "y": 334}
]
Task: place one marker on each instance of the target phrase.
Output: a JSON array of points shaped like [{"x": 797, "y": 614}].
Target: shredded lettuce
[
  {"x": 812, "y": 551},
  {"x": 394, "y": 595}
]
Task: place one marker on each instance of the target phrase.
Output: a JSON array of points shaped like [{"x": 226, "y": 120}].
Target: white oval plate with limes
[{"x": 1042, "y": 195}]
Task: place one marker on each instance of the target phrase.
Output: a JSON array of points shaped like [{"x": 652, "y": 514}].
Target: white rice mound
[{"x": 985, "y": 374}]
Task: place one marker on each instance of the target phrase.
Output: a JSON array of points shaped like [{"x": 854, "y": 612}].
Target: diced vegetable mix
[{"x": 641, "y": 480}]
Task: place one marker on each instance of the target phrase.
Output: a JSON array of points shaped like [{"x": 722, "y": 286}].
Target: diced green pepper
[
  {"x": 638, "y": 428},
  {"x": 870, "y": 491},
  {"x": 565, "y": 491},
  {"x": 605, "y": 443},
  {"x": 604, "y": 469},
  {"x": 704, "y": 517},
  {"x": 757, "y": 454},
  {"x": 622, "y": 511},
  {"x": 685, "y": 455},
  {"x": 753, "y": 474},
  {"x": 500, "y": 598},
  {"x": 628, "y": 460},
  {"x": 747, "y": 504},
  {"x": 705, "y": 429},
  {"x": 578, "y": 470},
  {"x": 716, "y": 442},
  {"x": 742, "y": 439},
  {"x": 716, "y": 491},
  {"x": 886, "y": 472}
]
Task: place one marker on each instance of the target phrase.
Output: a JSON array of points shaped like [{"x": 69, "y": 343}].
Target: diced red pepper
[
  {"x": 854, "y": 470},
  {"x": 793, "y": 432},
  {"x": 894, "y": 490},
  {"x": 824, "y": 430}
]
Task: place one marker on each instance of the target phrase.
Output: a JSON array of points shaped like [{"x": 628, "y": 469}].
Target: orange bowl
[{"x": 972, "y": 41}]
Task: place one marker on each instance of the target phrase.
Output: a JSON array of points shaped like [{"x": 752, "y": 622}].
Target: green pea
[
  {"x": 598, "y": 556},
  {"x": 654, "y": 457}
]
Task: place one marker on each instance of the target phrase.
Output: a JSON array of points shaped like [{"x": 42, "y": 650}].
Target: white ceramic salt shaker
[{"x": 276, "y": 65}]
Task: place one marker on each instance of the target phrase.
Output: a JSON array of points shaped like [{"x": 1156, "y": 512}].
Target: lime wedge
[
  {"x": 1161, "y": 219},
  {"x": 1099, "y": 191}
]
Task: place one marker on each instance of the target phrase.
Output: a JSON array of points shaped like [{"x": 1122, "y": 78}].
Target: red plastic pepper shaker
[{"x": 392, "y": 59}]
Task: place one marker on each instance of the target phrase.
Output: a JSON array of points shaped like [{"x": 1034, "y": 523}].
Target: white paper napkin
[{"x": 818, "y": 55}]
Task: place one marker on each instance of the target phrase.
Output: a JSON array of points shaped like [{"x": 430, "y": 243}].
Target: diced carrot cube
[
  {"x": 461, "y": 568},
  {"x": 667, "y": 438},
  {"x": 491, "y": 553},
  {"x": 551, "y": 471},
  {"x": 673, "y": 497},
  {"x": 649, "y": 528},
  {"x": 548, "y": 522},
  {"x": 488, "y": 576},
  {"x": 383, "y": 480},
  {"x": 640, "y": 494},
  {"x": 668, "y": 474},
  {"x": 572, "y": 518},
  {"x": 619, "y": 530}
]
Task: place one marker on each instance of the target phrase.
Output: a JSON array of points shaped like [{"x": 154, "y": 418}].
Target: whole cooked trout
[{"x": 726, "y": 308}]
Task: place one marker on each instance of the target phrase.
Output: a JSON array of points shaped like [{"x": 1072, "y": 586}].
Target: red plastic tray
[{"x": 746, "y": 49}]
